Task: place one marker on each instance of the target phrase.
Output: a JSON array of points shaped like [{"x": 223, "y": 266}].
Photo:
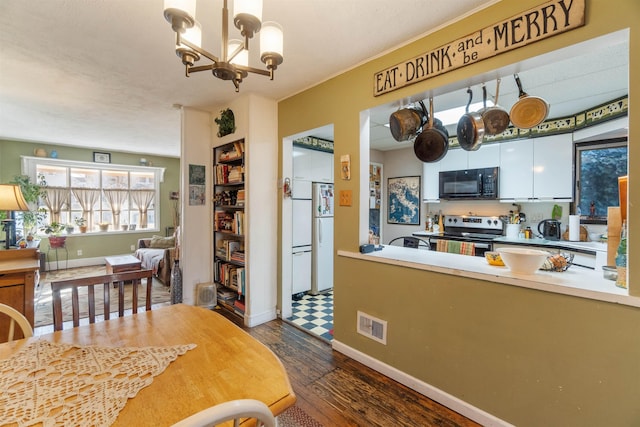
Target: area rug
[
  {"x": 43, "y": 309},
  {"x": 296, "y": 417}
]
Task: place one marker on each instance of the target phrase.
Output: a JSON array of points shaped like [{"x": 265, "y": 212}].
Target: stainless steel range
[{"x": 480, "y": 230}]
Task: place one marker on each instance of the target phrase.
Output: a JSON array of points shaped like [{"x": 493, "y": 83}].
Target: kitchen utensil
[
  {"x": 432, "y": 144},
  {"x": 528, "y": 111},
  {"x": 405, "y": 123},
  {"x": 550, "y": 229},
  {"x": 496, "y": 119},
  {"x": 470, "y": 128}
]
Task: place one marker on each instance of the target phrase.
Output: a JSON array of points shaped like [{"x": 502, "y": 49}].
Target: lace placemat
[{"x": 60, "y": 384}]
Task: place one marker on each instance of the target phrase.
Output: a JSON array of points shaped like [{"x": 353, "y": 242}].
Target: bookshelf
[{"x": 229, "y": 225}]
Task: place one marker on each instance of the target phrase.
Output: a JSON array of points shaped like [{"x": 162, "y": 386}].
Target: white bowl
[{"x": 523, "y": 261}]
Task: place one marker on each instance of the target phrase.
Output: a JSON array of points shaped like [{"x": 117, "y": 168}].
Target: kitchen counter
[
  {"x": 585, "y": 247},
  {"x": 576, "y": 281}
]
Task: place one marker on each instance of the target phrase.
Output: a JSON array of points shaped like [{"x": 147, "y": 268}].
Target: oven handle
[{"x": 483, "y": 245}]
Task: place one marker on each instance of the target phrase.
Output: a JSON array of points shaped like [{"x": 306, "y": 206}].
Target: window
[
  {"x": 598, "y": 166},
  {"x": 108, "y": 197}
]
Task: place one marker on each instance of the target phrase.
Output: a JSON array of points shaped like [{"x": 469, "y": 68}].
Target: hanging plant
[{"x": 226, "y": 123}]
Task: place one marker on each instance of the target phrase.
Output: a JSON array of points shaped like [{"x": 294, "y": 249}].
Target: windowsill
[
  {"x": 104, "y": 233},
  {"x": 576, "y": 281}
]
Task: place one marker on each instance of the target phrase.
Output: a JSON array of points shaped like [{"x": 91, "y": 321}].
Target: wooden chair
[
  {"x": 235, "y": 410},
  {"x": 16, "y": 317},
  {"x": 411, "y": 242},
  {"x": 106, "y": 281}
]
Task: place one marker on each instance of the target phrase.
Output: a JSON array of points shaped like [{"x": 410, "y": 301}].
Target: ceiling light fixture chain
[{"x": 233, "y": 62}]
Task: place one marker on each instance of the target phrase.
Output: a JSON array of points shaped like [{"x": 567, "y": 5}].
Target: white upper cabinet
[
  {"x": 430, "y": 182},
  {"x": 487, "y": 156},
  {"x": 516, "y": 170},
  {"x": 552, "y": 167},
  {"x": 454, "y": 160},
  {"x": 312, "y": 165},
  {"x": 537, "y": 169}
]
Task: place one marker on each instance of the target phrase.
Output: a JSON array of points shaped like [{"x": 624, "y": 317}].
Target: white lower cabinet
[{"x": 301, "y": 270}]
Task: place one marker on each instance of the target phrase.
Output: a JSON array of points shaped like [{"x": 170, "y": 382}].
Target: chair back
[
  {"x": 105, "y": 281},
  {"x": 16, "y": 317},
  {"x": 411, "y": 242},
  {"x": 235, "y": 410}
]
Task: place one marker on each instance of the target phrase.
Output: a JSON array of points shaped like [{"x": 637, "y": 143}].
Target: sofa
[{"x": 157, "y": 254}]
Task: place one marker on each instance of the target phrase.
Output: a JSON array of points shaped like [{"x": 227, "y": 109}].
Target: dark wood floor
[{"x": 338, "y": 391}]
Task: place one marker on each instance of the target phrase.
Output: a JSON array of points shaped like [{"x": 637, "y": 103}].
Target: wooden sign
[{"x": 535, "y": 24}]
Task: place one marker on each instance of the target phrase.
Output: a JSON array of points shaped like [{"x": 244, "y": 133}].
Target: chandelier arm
[
  {"x": 201, "y": 51},
  {"x": 254, "y": 70},
  {"x": 239, "y": 49},
  {"x": 201, "y": 68}
]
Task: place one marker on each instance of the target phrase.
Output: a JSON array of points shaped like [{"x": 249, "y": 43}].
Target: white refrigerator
[
  {"x": 302, "y": 236},
  {"x": 322, "y": 242}
]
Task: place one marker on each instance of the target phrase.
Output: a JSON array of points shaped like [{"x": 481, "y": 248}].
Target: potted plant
[
  {"x": 32, "y": 192},
  {"x": 104, "y": 226},
  {"x": 54, "y": 230},
  {"x": 69, "y": 228},
  {"x": 226, "y": 123},
  {"x": 81, "y": 223}
]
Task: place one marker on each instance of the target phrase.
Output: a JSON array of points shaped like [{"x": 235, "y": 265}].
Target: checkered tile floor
[{"x": 315, "y": 314}]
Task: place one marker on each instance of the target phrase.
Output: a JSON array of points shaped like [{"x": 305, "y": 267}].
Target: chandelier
[{"x": 234, "y": 58}]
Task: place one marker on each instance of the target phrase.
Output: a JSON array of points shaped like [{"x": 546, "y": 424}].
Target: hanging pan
[
  {"x": 432, "y": 143},
  {"x": 496, "y": 119},
  {"x": 470, "y": 128},
  {"x": 406, "y": 123},
  {"x": 528, "y": 111}
]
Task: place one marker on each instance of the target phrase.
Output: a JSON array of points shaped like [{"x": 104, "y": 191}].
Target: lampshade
[
  {"x": 181, "y": 14},
  {"x": 248, "y": 7},
  {"x": 11, "y": 198},
  {"x": 194, "y": 34},
  {"x": 271, "y": 38}
]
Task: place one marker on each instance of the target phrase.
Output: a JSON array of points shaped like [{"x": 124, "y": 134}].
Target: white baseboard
[
  {"x": 261, "y": 318},
  {"x": 434, "y": 393},
  {"x": 73, "y": 263}
]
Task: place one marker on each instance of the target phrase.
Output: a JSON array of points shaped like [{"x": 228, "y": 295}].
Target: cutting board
[{"x": 614, "y": 227}]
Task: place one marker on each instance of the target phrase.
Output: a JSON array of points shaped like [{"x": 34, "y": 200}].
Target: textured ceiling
[{"x": 103, "y": 74}]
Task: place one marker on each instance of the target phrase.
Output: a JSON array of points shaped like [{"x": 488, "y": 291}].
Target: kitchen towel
[{"x": 574, "y": 228}]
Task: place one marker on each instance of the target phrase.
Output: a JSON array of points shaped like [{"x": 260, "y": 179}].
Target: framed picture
[
  {"x": 101, "y": 157},
  {"x": 197, "y": 175},
  {"x": 404, "y": 200}
]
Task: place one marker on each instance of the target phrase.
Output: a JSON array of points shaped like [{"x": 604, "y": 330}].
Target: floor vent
[{"x": 372, "y": 327}]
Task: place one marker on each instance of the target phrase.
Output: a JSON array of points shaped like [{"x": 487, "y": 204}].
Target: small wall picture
[
  {"x": 197, "y": 175},
  {"x": 196, "y": 195},
  {"x": 404, "y": 200},
  {"x": 101, "y": 157}
]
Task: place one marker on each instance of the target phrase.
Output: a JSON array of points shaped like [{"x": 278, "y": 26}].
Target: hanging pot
[
  {"x": 470, "y": 128},
  {"x": 432, "y": 143},
  {"x": 496, "y": 119},
  {"x": 405, "y": 123},
  {"x": 528, "y": 111}
]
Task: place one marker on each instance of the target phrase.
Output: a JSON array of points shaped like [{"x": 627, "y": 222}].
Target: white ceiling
[{"x": 103, "y": 74}]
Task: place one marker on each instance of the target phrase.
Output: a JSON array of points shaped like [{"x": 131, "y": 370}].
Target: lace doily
[{"x": 60, "y": 384}]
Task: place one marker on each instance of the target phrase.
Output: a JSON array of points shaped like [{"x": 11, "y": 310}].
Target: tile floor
[{"x": 315, "y": 314}]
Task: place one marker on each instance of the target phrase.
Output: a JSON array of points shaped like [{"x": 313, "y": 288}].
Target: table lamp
[{"x": 11, "y": 199}]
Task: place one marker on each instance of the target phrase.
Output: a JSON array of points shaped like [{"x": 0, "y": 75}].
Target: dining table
[{"x": 223, "y": 362}]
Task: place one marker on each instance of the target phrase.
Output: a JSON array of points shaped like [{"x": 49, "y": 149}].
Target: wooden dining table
[{"x": 226, "y": 364}]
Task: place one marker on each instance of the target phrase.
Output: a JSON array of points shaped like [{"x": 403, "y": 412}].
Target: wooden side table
[{"x": 121, "y": 264}]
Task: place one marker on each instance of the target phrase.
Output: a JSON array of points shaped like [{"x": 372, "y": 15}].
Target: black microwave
[{"x": 469, "y": 184}]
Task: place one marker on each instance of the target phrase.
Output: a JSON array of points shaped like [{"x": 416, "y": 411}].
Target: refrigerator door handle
[{"x": 320, "y": 231}]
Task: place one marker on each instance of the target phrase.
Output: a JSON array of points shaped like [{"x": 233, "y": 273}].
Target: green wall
[
  {"x": 529, "y": 357},
  {"x": 101, "y": 245}
]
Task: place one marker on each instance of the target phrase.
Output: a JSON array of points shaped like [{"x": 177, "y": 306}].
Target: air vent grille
[
  {"x": 206, "y": 295},
  {"x": 372, "y": 327}
]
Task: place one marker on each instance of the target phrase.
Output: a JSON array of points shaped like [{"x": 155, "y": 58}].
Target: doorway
[{"x": 306, "y": 294}]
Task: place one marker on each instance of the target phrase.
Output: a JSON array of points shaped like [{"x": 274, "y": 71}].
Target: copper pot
[{"x": 528, "y": 111}]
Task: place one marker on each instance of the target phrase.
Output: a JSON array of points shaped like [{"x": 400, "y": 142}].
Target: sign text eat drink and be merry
[{"x": 535, "y": 24}]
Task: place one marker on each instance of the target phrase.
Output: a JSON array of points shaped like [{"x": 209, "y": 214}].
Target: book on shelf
[
  {"x": 232, "y": 153},
  {"x": 228, "y": 174},
  {"x": 239, "y": 306}
]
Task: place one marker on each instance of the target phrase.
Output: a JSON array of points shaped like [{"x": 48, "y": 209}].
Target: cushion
[{"x": 162, "y": 242}]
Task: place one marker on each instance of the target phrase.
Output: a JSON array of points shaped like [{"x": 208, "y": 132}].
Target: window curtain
[
  {"x": 56, "y": 199},
  {"x": 87, "y": 198},
  {"x": 116, "y": 199},
  {"x": 142, "y": 199}
]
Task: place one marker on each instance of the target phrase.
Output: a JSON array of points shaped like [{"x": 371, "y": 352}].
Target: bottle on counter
[{"x": 621, "y": 258}]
